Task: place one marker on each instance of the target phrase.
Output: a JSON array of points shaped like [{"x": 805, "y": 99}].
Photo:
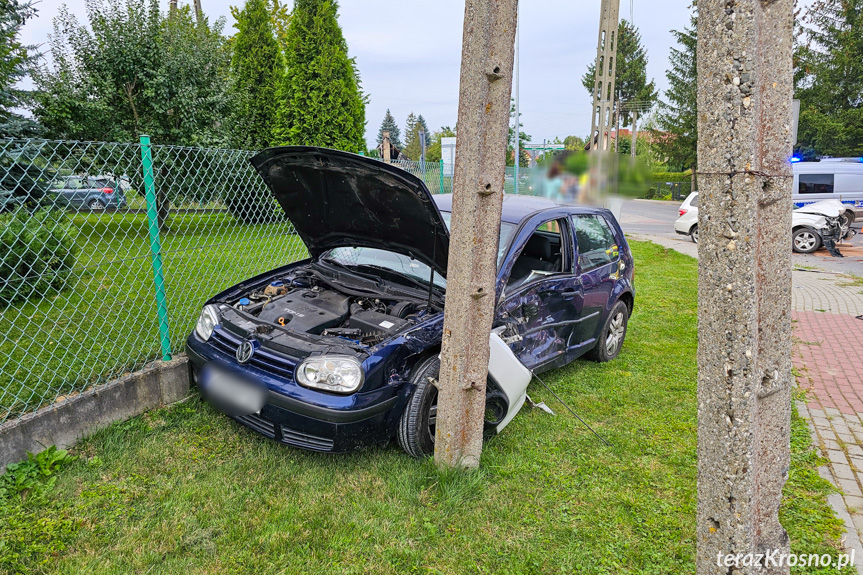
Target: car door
[
  {"x": 598, "y": 266},
  {"x": 74, "y": 192},
  {"x": 542, "y": 307}
]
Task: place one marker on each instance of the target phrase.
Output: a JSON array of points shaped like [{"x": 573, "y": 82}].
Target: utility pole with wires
[
  {"x": 517, "y": 115},
  {"x": 485, "y": 89},
  {"x": 606, "y": 68}
]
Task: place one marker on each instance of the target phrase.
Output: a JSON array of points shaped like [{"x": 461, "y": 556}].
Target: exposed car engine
[{"x": 308, "y": 305}]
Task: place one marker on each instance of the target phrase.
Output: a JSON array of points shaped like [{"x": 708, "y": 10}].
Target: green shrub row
[{"x": 662, "y": 177}]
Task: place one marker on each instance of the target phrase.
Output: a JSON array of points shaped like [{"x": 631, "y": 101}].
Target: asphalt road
[{"x": 656, "y": 218}]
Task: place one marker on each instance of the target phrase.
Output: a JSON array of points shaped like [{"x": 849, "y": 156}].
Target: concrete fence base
[{"x": 64, "y": 424}]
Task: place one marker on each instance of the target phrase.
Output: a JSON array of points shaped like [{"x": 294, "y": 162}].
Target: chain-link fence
[{"x": 107, "y": 252}]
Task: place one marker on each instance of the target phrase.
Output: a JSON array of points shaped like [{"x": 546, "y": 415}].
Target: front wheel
[
  {"x": 612, "y": 335},
  {"x": 416, "y": 432},
  {"x": 805, "y": 241}
]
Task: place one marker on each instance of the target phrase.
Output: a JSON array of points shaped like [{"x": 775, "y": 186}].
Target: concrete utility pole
[
  {"x": 480, "y": 161},
  {"x": 606, "y": 66},
  {"x": 744, "y": 285},
  {"x": 634, "y": 131},
  {"x": 198, "y": 11}
]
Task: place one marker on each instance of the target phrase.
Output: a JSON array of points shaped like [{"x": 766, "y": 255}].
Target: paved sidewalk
[{"x": 827, "y": 315}]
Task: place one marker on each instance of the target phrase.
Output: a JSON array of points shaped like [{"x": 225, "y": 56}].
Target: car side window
[
  {"x": 595, "y": 242},
  {"x": 73, "y": 184},
  {"x": 815, "y": 184},
  {"x": 543, "y": 255}
]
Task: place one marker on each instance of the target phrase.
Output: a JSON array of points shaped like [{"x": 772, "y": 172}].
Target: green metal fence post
[
  {"x": 441, "y": 175},
  {"x": 155, "y": 247}
]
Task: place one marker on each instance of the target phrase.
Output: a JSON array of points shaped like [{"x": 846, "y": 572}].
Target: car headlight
[
  {"x": 207, "y": 321},
  {"x": 331, "y": 373}
]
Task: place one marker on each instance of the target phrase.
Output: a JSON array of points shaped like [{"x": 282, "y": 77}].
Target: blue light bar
[{"x": 795, "y": 159}]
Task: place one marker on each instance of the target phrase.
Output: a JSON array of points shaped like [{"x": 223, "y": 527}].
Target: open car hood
[{"x": 336, "y": 199}]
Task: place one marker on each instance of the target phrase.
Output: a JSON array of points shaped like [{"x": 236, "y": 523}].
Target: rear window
[{"x": 815, "y": 184}]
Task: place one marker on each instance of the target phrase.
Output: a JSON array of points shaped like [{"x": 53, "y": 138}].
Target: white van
[{"x": 830, "y": 179}]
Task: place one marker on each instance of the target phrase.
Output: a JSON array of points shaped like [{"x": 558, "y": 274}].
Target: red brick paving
[{"x": 828, "y": 351}]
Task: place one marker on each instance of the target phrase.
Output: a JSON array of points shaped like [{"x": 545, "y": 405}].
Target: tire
[
  {"x": 610, "y": 340},
  {"x": 693, "y": 233},
  {"x": 416, "y": 431},
  {"x": 805, "y": 241},
  {"x": 96, "y": 206}
]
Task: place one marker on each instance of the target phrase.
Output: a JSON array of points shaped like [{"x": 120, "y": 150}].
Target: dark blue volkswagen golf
[{"x": 341, "y": 350}]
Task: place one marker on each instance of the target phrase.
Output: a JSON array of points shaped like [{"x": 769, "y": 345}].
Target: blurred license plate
[{"x": 230, "y": 393}]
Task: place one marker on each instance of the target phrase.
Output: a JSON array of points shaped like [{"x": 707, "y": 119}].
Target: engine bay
[{"x": 305, "y": 303}]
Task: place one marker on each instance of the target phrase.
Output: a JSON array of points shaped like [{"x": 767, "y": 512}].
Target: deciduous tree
[
  {"x": 415, "y": 126},
  {"x": 133, "y": 70}
]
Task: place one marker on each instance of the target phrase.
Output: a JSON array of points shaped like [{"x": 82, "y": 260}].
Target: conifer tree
[
  {"x": 320, "y": 102},
  {"x": 389, "y": 125},
  {"x": 677, "y": 116}
]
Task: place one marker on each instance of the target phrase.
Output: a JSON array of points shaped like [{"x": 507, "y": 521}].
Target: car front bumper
[{"x": 298, "y": 423}]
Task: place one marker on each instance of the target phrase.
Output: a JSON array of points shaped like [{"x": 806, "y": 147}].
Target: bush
[
  {"x": 37, "y": 253},
  {"x": 663, "y": 177}
]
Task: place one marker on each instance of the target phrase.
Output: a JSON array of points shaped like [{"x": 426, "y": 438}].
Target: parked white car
[
  {"x": 687, "y": 223},
  {"x": 812, "y": 226}
]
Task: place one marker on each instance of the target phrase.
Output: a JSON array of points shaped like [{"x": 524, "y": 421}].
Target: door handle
[{"x": 570, "y": 292}]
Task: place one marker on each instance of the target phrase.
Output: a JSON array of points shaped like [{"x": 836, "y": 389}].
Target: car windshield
[
  {"x": 403, "y": 265},
  {"x": 506, "y": 230}
]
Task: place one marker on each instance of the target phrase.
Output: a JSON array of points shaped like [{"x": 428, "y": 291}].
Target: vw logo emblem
[{"x": 245, "y": 352}]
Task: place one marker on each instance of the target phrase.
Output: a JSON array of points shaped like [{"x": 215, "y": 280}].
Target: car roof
[
  {"x": 517, "y": 208},
  {"x": 828, "y": 167}
]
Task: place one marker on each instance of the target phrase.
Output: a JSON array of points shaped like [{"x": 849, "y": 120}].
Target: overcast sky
[{"x": 408, "y": 54}]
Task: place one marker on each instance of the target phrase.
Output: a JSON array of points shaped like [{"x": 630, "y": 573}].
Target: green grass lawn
[
  {"x": 185, "y": 490},
  {"x": 105, "y": 323}
]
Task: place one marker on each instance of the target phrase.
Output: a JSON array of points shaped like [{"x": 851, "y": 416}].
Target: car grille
[
  {"x": 259, "y": 424},
  {"x": 263, "y": 359},
  {"x": 289, "y": 436},
  {"x": 305, "y": 440}
]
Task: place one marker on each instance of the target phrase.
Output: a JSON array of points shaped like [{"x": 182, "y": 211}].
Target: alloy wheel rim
[
  {"x": 432, "y": 419},
  {"x": 805, "y": 241},
  {"x": 615, "y": 333}
]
